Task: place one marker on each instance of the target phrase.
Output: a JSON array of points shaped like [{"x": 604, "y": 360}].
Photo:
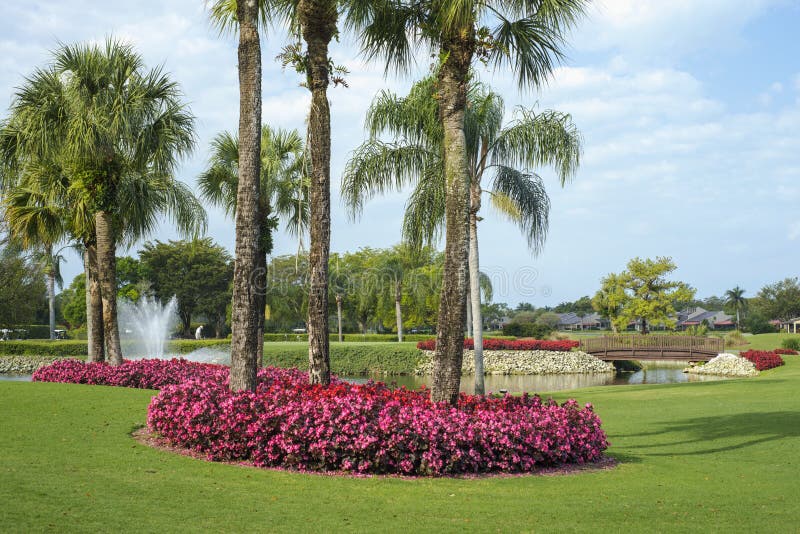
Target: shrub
[
  {"x": 792, "y": 343},
  {"x": 735, "y": 339},
  {"x": 351, "y": 359},
  {"x": 43, "y": 348},
  {"x": 763, "y": 360},
  {"x": 534, "y": 330},
  {"x": 758, "y": 324},
  {"x": 504, "y": 344}
]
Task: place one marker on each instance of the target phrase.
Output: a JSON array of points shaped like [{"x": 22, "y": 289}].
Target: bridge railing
[{"x": 653, "y": 343}]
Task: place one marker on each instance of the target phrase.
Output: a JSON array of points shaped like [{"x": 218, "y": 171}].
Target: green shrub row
[
  {"x": 34, "y": 331},
  {"x": 352, "y": 359},
  {"x": 364, "y": 338},
  {"x": 73, "y": 347},
  {"x": 792, "y": 343}
]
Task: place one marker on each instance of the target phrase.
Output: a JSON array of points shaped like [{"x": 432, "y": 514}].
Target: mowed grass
[{"x": 714, "y": 456}]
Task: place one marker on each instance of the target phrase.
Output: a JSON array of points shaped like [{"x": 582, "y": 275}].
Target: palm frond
[{"x": 523, "y": 199}]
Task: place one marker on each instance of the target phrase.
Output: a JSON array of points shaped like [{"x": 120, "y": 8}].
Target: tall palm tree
[
  {"x": 528, "y": 36},
  {"x": 283, "y": 189},
  {"x": 107, "y": 122},
  {"x": 735, "y": 297},
  {"x": 414, "y": 155}
]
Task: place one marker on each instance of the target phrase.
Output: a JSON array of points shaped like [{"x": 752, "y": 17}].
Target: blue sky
[{"x": 690, "y": 112}]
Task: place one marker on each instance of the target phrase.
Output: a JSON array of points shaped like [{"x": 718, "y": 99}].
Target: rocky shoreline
[
  {"x": 23, "y": 365},
  {"x": 725, "y": 365},
  {"x": 525, "y": 362}
]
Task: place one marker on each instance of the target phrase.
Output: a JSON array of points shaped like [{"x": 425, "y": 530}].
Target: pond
[{"x": 652, "y": 373}]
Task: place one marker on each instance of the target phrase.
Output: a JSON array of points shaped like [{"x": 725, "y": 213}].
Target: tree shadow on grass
[{"x": 747, "y": 429}]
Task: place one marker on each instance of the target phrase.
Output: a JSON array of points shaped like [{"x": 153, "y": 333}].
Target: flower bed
[
  {"x": 762, "y": 359},
  {"x": 372, "y": 429},
  {"x": 369, "y": 428},
  {"x": 143, "y": 374},
  {"x": 511, "y": 344},
  {"x": 526, "y": 362},
  {"x": 786, "y": 352}
]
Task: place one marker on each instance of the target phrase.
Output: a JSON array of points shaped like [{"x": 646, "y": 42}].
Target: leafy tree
[
  {"x": 549, "y": 319},
  {"x": 22, "y": 288},
  {"x": 73, "y": 302},
  {"x": 197, "y": 273},
  {"x": 643, "y": 293},
  {"x": 780, "y": 300},
  {"x": 581, "y": 307},
  {"x": 460, "y": 32},
  {"x": 735, "y": 297}
]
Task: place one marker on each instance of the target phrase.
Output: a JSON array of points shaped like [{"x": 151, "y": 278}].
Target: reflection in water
[{"x": 15, "y": 378}]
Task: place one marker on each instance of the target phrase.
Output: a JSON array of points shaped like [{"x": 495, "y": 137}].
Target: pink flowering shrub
[
  {"x": 368, "y": 428},
  {"x": 373, "y": 429},
  {"x": 143, "y": 374},
  {"x": 564, "y": 345}
]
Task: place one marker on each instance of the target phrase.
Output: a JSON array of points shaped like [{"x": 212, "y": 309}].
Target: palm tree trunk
[
  {"x": 398, "y": 309},
  {"x": 51, "y": 293},
  {"x": 318, "y": 23},
  {"x": 94, "y": 307},
  {"x": 468, "y": 326},
  {"x": 339, "y": 315},
  {"x": 452, "y": 308},
  {"x": 262, "y": 302},
  {"x": 475, "y": 295},
  {"x": 107, "y": 274},
  {"x": 245, "y": 307}
]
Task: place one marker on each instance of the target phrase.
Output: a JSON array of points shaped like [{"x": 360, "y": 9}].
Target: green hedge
[
  {"x": 363, "y": 338},
  {"x": 34, "y": 331},
  {"x": 71, "y": 347},
  {"x": 65, "y": 348},
  {"x": 351, "y": 359}
]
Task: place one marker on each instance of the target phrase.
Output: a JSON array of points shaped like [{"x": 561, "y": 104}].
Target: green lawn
[{"x": 716, "y": 456}]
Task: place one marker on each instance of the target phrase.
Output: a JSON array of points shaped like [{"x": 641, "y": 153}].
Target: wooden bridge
[{"x": 653, "y": 347}]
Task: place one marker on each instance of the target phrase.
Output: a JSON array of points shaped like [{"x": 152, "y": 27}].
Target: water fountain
[{"x": 145, "y": 327}]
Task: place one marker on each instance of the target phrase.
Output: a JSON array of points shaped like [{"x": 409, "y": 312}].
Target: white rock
[
  {"x": 725, "y": 364},
  {"x": 525, "y": 362}
]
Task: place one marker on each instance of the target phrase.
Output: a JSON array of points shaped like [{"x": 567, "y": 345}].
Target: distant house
[
  {"x": 697, "y": 316},
  {"x": 572, "y": 321},
  {"x": 792, "y": 326}
]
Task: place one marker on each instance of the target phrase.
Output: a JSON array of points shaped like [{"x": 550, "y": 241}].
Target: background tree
[
  {"x": 73, "y": 302},
  {"x": 642, "y": 293},
  {"x": 197, "y": 273},
  {"x": 22, "y": 288},
  {"x": 780, "y": 300},
  {"x": 735, "y": 297},
  {"x": 610, "y": 299},
  {"x": 459, "y": 33}
]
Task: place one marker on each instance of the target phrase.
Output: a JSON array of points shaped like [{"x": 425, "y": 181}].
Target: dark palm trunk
[
  {"x": 51, "y": 295},
  {"x": 107, "y": 274},
  {"x": 318, "y": 24},
  {"x": 262, "y": 300},
  {"x": 452, "y": 80},
  {"x": 94, "y": 307},
  {"x": 245, "y": 307}
]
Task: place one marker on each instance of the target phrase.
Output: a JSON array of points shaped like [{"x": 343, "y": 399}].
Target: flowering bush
[
  {"x": 507, "y": 344},
  {"x": 144, "y": 374},
  {"x": 373, "y": 429},
  {"x": 788, "y": 352},
  {"x": 763, "y": 359},
  {"x": 368, "y": 428}
]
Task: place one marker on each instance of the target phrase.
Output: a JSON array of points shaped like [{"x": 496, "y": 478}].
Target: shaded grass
[{"x": 699, "y": 456}]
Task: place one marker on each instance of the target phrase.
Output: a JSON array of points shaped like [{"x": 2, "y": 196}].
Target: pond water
[{"x": 652, "y": 373}]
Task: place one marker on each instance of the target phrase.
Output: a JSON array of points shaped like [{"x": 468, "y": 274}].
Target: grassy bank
[{"x": 711, "y": 456}]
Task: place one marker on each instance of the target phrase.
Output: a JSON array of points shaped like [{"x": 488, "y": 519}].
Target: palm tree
[
  {"x": 460, "y": 31},
  {"x": 282, "y": 184},
  {"x": 735, "y": 297},
  {"x": 110, "y": 125},
  {"x": 414, "y": 155}
]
